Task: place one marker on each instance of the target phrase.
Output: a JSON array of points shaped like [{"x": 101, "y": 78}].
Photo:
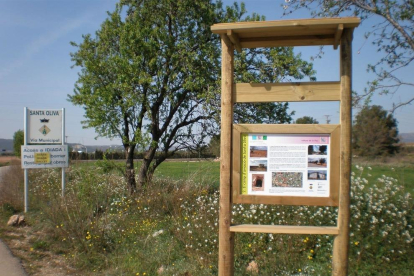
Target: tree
[
  {"x": 18, "y": 141},
  {"x": 214, "y": 145},
  {"x": 393, "y": 36},
  {"x": 306, "y": 120},
  {"x": 375, "y": 132},
  {"x": 151, "y": 76},
  {"x": 146, "y": 77}
]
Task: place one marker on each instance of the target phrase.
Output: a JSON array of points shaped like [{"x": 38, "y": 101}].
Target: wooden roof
[{"x": 299, "y": 32}]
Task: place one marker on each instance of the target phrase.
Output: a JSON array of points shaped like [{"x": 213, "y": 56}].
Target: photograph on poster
[
  {"x": 317, "y": 149},
  {"x": 258, "y": 165},
  {"x": 287, "y": 179},
  {"x": 258, "y": 151},
  {"x": 317, "y": 175},
  {"x": 317, "y": 162},
  {"x": 258, "y": 182}
]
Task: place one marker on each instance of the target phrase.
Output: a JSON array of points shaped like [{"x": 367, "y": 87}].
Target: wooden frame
[
  {"x": 332, "y": 130},
  {"x": 300, "y": 32}
]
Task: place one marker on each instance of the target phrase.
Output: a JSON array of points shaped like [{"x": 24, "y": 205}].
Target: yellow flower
[
  {"x": 311, "y": 251},
  {"x": 310, "y": 257},
  {"x": 250, "y": 245},
  {"x": 31, "y": 248},
  {"x": 300, "y": 270},
  {"x": 356, "y": 243}
]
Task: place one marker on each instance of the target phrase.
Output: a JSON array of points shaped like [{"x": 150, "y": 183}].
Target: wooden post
[
  {"x": 226, "y": 238},
  {"x": 341, "y": 241}
]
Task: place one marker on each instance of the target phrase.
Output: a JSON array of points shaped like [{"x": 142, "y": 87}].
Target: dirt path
[
  {"x": 3, "y": 171},
  {"x": 9, "y": 265}
]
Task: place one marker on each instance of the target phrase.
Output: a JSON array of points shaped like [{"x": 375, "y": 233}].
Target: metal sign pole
[
  {"x": 26, "y": 171},
  {"x": 63, "y": 143}
]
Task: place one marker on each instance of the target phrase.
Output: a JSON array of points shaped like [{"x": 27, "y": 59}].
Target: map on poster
[{"x": 285, "y": 164}]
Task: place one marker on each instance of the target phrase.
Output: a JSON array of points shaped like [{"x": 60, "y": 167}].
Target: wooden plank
[
  {"x": 286, "y": 129},
  {"x": 341, "y": 242},
  {"x": 294, "y": 31},
  {"x": 285, "y": 229},
  {"x": 269, "y": 26},
  {"x": 235, "y": 40},
  {"x": 286, "y": 92},
  {"x": 335, "y": 159},
  {"x": 226, "y": 238},
  {"x": 236, "y": 162},
  {"x": 277, "y": 41},
  {"x": 338, "y": 35},
  {"x": 284, "y": 200}
]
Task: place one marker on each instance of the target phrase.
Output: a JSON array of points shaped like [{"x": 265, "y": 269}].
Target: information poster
[
  {"x": 285, "y": 165},
  {"x": 45, "y": 156}
]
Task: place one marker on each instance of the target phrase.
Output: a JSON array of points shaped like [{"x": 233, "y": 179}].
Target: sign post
[
  {"x": 44, "y": 130},
  {"x": 63, "y": 143},
  {"x": 26, "y": 172}
]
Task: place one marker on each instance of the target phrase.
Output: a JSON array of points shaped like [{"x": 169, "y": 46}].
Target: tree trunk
[
  {"x": 129, "y": 169},
  {"x": 144, "y": 176}
]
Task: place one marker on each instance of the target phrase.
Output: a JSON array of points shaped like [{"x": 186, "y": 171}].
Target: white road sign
[
  {"x": 45, "y": 156},
  {"x": 44, "y": 126}
]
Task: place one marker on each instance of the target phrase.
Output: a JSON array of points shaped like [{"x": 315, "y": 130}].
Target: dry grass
[{"x": 11, "y": 187}]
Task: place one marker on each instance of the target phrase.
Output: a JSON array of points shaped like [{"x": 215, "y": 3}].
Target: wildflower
[{"x": 356, "y": 243}]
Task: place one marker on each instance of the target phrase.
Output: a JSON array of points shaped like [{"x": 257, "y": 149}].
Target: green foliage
[
  {"x": 306, "y": 120},
  {"x": 375, "y": 132},
  {"x": 109, "y": 166},
  {"x": 18, "y": 141},
  {"x": 268, "y": 65},
  {"x": 392, "y": 34},
  {"x": 151, "y": 76}
]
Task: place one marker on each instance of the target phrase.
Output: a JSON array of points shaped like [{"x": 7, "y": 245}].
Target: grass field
[{"x": 209, "y": 171}]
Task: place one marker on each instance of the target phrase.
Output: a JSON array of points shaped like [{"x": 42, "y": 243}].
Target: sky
[{"x": 36, "y": 68}]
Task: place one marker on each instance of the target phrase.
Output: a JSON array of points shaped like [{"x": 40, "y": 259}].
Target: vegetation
[
  {"x": 151, "y": 76},
  {"x": 171, "y": 227},
  {"x": 392, "y": 33},
  {"x": 375, "y": 132},
  {"x": 306, "y": 120},
  {"x": 18, "y": 141}
]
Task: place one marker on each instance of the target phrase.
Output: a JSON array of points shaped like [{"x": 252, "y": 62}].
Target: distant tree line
[{"x": 120, "y": 155}]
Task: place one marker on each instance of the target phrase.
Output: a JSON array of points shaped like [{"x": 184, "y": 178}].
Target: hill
[
  {"x": 6, "y": 145},
  {"x": 407, "y": 137}
]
